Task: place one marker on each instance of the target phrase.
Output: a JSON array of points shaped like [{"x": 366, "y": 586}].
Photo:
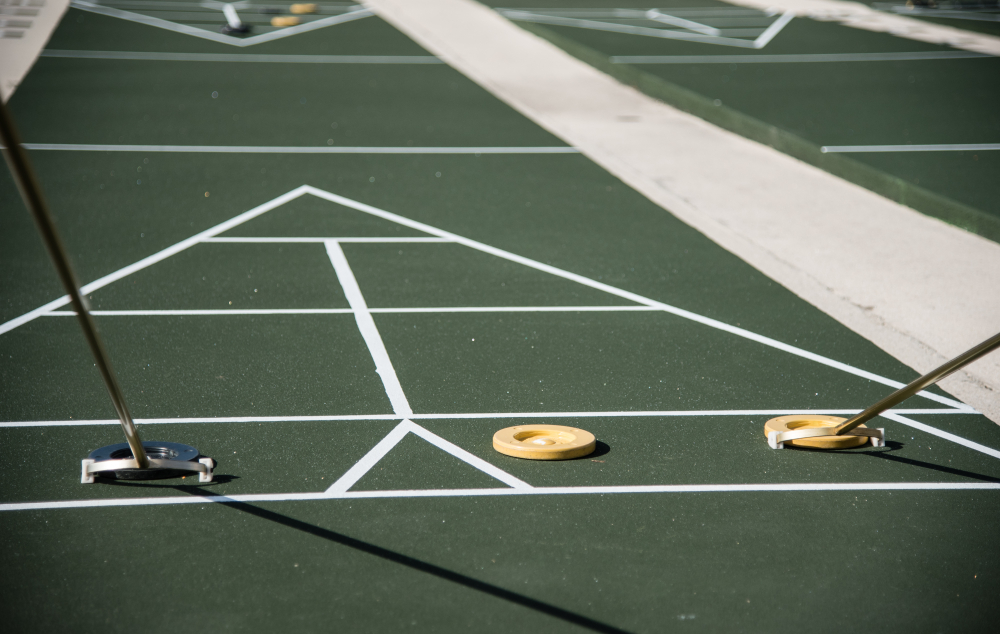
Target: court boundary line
[
  {"x": 240, "y": 57},
  {"x": 293, "y": 149},
  {"x": 331, "y": 418},
  {"x": 818, "y": 487},
  {"x": 942, "y": 147},
  {"x": 796, "y": 58},
  {"x": 428, "y": 229}
]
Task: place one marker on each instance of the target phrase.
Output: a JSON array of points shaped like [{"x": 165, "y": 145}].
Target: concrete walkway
[{"x": 921, "y": 290}]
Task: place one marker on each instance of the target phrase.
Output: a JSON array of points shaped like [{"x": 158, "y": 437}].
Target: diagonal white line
[
  {"x": 379, "y": 451},
  {"x": 370, "y": 459},
  {"x": 656, "y": 16},
  {"x": 773, "y": 30},
  {"x": 941, "y": 434},
  {"x": 383, "y": 365},
  {"x": 523, "y": 16},
  {"x": 156, "y": 257},
  {"x": 639, "y": 299},
  {"x": 467, "y": 457}
]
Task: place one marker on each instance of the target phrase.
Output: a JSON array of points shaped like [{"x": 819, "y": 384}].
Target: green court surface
[
  {"x": 841, "y": 98},
  {"x": 344, "y": 332}
]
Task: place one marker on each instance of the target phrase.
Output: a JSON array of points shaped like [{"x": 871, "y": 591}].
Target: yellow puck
[
  {"x": 303, "y": 8},
  {"x": 544, "y": 442},
  {"x": 285, "y": 20},
  {"x": 813, "y": 421}
]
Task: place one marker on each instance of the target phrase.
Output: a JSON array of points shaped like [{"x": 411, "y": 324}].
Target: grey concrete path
[{"x": 921, "y": 290}]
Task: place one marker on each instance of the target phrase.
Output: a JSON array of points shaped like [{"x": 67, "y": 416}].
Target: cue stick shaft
[
  {"x": 926, "y": 380},
  {"x": 31, "y": 192}
]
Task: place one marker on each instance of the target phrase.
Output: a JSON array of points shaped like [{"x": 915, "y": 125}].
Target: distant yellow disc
[
  {"x": 544, "y": 442},
  {"x": 285, "y": 20},
  {"x": 303, "y": 8},
  {"x": 812, "y": 421}
]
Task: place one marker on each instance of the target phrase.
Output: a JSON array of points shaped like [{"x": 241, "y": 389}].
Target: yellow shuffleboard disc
[
  {"x": 303, "y": 8},
  {"x": 285, "y": 20},
  {"x": 544, "y": 442},
  {"x": 812, "y": 421}
]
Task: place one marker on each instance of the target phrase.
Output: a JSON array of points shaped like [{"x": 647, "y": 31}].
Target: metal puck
[
  {"x": 154, "y": 449},
  {"x": 544, "y": 442}
]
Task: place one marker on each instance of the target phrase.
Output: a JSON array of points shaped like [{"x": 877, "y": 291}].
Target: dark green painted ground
[
  {"x": 848, "y": 103},
  {"x": 903, "y": 561}
]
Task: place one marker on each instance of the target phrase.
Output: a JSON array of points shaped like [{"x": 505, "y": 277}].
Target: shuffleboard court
[{"x": 344, "y": 333}]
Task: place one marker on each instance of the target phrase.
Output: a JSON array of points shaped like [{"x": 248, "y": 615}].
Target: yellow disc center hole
[
  {"x": 810, "y": 424},
  {"x": 543, "y": 437}
]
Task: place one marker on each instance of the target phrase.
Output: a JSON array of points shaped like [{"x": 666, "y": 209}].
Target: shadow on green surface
[
  {"x": 886, "y": 454},
  {"x": 388, "y": 555}
]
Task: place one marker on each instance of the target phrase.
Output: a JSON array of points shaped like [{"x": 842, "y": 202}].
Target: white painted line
[
  {"x": 206, "y": 312},
  {"x": 468, "y": 458},
  {"x": 942, "y": 434},
  {"x": 639, "y": 299},
  {"x": 368, "y": 330},
  {"x": 267, "y": 149},
  {"x": 310, "y": 240},
  {"x": 219, "y": 37},
  {"x": 156, "y": 257},
  {"x": 952, "y": 147},
  {"x": 444, "y": 493},
  {"x": 379, "y": 451},
  {"x": 656, "y": 16},
  {"x": 243, "y": 57},
  {"x": 337, "y": 311},
  {"x": 773, "y": 30},
  {"x": 519, "y": 309},
  {"x": 792, "y": 59},
  {"x": 524, "y": 16},
  {"x": 466, "y": 416},
  {"x": 369, "y": 460}
]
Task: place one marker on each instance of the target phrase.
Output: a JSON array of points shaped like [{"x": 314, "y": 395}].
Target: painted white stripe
[
  {"x": 656, "y": 16},
  {"x": 369, "y": 460},
  {"x": 243, "y": 57},
  {"x": 524, "y": 16},
  {"x": 379, "y": 451},
  {"x": 468, "y": 458},
  {"x": 206, "y": 312},
  {"x": 953, "y": 147},
  {"x": 268, "y": 149},
  {"x": 336, "y": 311},
  {"x": 368, "y": 330},
  {"x": 942, "y": 434},
  {"x": 435, "y": 493},
  {"x": 310, "y": 240},
  {"x": 793, "y": 59},
  {"x": 639, "y": 299},
  {"x": 156, "y": 257},
  {"x": 467, "y": 416},
  {"x": 219, "y": 37},
  {"x": 773, "y": 30}
]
